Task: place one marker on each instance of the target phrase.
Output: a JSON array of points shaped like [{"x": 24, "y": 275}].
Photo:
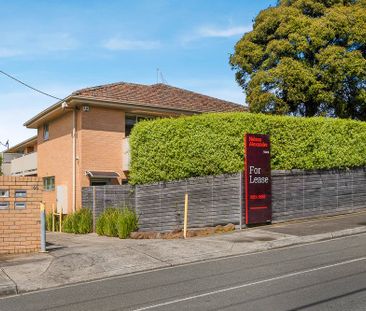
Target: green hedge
[{"x": 212, "y": 144}]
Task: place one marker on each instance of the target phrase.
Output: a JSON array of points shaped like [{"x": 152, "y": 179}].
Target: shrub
[
  {"x": 68, "y": 224},
  {"x": 79, "y": 222},
  {"x": 212, "y": 144},
  {"x": 99, "y": 227},
  {"x": 115, "y": 222},
  {"x": 85, "y": 221},
  {"x": 49, "y": 222},
  {"x": 107, "y": 222},
  {"x": 127, "y": 222}
]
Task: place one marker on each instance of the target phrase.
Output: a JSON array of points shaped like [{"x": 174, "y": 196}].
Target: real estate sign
[{"x": 257, "y": 179}]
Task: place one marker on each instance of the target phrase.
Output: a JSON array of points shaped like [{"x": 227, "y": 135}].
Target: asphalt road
[{"x": 327, "y": 275}]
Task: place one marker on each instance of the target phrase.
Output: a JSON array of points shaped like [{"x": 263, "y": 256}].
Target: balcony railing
[
  {"x": 25, "y": 165},
  {"x": 6, "y": 162},
  {"x": 125, "y": 154},
  {"x": 6, "y": 169}
]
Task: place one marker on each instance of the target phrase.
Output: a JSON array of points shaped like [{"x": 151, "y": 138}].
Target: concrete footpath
[{"x": 77, "y": 258}]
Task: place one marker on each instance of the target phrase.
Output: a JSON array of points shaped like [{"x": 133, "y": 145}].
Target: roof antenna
[
  {"x": 6, "y": 145},
  {"x": 157, "y": 75},
  {"x": 163, "y": 79}
]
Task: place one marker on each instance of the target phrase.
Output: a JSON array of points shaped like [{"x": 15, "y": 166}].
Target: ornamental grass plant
[{"x": 117, "y": 222}]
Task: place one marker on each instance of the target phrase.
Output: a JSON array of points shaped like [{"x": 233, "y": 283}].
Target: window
[
  {"x": 20, "y": 193},
  {"x": 131, "y": 120},
  {"x": 20, "y": 205},
  {"x": 4, "y": 205},
  {"x": 49, "y": 183},
  {"x": 4, "y": 193},
  {"x": 46, "y": 132}
]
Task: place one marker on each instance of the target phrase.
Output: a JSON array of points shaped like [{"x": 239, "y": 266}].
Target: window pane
[
  {"x": 130, "y": 121},
  {"x": 4, "y": 205},
  {"x": 4, "y": 193},
  {"x": 20, "y": 193},
  {"x": 20, "y": 205},
  {"x": 45, "y": 132},
  {"x": 49, "y": 183}
]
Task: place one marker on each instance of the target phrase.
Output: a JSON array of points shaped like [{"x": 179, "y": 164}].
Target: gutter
[
  {"x": 73, "y": 100},
  {"x": 46, "y": 111}
]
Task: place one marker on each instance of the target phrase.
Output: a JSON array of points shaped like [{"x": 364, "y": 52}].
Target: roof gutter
[
  {"x": 46, "y": 112},
  {"x": 72, "y": 101}
]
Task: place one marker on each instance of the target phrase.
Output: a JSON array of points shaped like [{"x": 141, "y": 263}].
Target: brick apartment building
[{"x": 83, "y": 140}]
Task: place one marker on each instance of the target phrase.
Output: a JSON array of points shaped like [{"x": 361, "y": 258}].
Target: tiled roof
[{"x": 160, "y": 96}]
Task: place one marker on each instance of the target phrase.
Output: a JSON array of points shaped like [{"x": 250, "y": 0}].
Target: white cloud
[
  {"x": 20, "y": 44},
  {"x": 215, "y": 32},
  {"x": 8, "y": 52},
  {"x": 56, "y": 42},
  {"x": 117, "y": 44},
  {"x": 211, "y": 32}
]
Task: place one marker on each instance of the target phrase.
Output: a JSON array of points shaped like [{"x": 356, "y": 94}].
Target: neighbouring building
[
  {"x": 20, "y": 160},
  {"x": 83, "y": 140}
]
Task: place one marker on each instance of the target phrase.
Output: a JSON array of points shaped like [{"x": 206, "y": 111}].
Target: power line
[{"x": 28, "y": 86}]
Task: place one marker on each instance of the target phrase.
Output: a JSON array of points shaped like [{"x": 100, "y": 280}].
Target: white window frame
[
  {"x": 137, "y": 116},
  {"x": 4, "y": 193},
  {"x": 22, "y": 192},
  {"x": 20, "y": 205},
  {"x": 46, "y": 131},
  {"x": 4, "y": 206},
  {"x": 47, "y": 185}
]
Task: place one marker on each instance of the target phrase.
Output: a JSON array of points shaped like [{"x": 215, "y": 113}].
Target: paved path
[
  {"x": 328, "y": 275},
  {"x": 79, "y": 258}
]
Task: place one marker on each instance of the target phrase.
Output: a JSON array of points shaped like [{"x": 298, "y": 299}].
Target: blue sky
[{"x": 61, "y": 46}]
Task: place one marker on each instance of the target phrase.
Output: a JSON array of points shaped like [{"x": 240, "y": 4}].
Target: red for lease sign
[{"x": 257, "y": 179}]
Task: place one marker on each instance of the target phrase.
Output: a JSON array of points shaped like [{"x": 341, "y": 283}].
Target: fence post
[
  {"x": 94, "y": 207},
  {"x": 185, "y": 215},
  {"x": 61, "y": 220}
]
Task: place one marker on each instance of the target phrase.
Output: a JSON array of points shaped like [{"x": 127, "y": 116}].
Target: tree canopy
[{"x": 305, "y": 57}]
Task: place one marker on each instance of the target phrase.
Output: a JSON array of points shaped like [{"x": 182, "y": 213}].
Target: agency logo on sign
[{"x": 257, "y": 179}]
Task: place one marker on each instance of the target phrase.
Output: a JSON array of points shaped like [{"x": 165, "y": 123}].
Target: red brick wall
[
  {"x": 55, "y": 157},
  {"x": 100, "y": 141},
  {"x": 20, "y": 228}
]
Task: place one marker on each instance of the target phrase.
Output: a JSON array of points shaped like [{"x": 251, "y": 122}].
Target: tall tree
[{"x": 305, "y": 57}]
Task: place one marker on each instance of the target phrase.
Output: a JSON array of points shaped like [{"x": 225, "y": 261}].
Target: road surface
[{"x": 329, "y": 275}]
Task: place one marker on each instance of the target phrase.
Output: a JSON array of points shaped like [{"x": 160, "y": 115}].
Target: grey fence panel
[
  {"x": 212, "y": 200},
  {"x": 215, "y": 200},
  {"x": 98, "y": 198},
  {"x": 300, "y": 194}
]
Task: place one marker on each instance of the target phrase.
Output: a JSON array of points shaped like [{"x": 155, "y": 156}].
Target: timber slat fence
[{"x": 215, "y": 200}]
